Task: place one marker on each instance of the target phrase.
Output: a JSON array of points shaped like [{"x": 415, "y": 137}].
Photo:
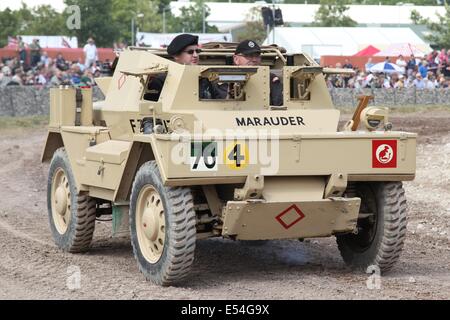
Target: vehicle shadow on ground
[
  {"x": 222, "y": 261},
  {"x": 219, "y": 261},
  {"x": 111, "y": 247}
]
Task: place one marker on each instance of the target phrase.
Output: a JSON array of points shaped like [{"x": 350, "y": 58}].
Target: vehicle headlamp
[{"x": 374, "y": 117}]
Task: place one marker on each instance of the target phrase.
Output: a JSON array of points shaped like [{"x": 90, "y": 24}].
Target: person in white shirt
[
  {"x": 368, "y": 65},
  {"x": 90, "y": 53},
  {"x": 45, "y": 60},
  {"x": 401, "y": 63}
]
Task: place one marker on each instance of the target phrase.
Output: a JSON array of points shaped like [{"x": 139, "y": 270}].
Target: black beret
[
  {"x": 180, "y": 42},
  {"x": 247, "y": 47}
]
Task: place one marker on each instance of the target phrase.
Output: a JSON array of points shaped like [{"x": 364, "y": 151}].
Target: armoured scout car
[{"x": 176, "y": 167}]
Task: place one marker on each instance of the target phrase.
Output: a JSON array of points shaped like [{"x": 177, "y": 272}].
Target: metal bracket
[
  {"x": 252, "y": 189},
  {"x": 297, "y": 146},
  {"x": 403, "y": 143},
  {"x": 336, "y": 186},
  {"x": 214, "y": 203},
  {"x": 101, "y": 168}
]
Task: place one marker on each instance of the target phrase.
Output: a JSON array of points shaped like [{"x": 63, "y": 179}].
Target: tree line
[{"x": 109, "y": 21}]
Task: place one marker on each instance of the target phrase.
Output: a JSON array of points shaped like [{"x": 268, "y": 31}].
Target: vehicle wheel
[
  {"x": 162, "y": 225},
  {"x": 381, "y": 227},
  {"x": 71, "y": 215}
]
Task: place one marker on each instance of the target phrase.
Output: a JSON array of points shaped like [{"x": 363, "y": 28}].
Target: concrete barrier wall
[
  {"x": 18, "y": 101},
  {"x": 25, "y": 101},
  {"x": 392, "y": 97}
]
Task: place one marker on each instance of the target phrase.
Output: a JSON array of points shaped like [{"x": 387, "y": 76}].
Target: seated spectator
[
  {"x": 360, "y": 81},
  {"x": 56, "y": 79},
  {"x": 5, "y": 76},
  {"x": 445, "y": 69},
  {"x": 382, "y": 82},
  {"x": 87, "y": 79},
  {"x": 75, "y": 75},
  {"x": 442, "y": 82},
  {"x": 81, "y": 65},
  {"x": 418, "y": 82},
  {"x": 61, "y": 63},
  {"x": 400, "y": 82},
  {"x": 40, "y": 78},
  {"x": 75, "y": 79},
  {"x": 430, "y": 81},
  {"x": 394, "y": 79},
  {"x": 95, "y": 67},
  {"x": 65, "y": 78}
]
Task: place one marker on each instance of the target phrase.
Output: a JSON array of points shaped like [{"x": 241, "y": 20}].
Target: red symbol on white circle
[{"x": 384, "y": 153}]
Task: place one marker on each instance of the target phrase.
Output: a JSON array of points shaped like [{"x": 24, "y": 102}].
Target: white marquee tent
[
  {"x": 159, "y": 40},
  {"x": 342, "y": 41},
  {"x": 227, "y": 16},
  {"x": 53, "y": 41}
]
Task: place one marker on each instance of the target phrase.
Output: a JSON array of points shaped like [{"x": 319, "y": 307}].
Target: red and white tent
[
  {"x": 367, "y": 52},
  {"x": 404, "y": 49}
]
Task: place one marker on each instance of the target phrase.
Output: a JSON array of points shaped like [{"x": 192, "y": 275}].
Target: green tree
[
  {"x": 367, "y": 2},
  {"x": 9, "y": 25},
  {"x": 42, "y": 20},
  {"x": 191, "y": 19},
  {"x": 394, "y": 2},
  {"x": 254, "y": 27},
  {"x": 440, "y": 31},
  {"x": 332, "y": 14},
  {"x": 96, "y": 21},
  {"x": 145, "y": 14}
]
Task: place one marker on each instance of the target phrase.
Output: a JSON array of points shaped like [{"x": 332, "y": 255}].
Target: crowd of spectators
[
  {"x": 428, "y": 72},
  {"x": 42, "y": 71}
]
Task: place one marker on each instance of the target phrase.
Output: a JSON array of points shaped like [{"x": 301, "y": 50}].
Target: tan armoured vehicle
[{"x": 176, "y": 166}]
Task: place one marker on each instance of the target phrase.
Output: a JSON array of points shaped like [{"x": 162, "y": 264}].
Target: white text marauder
[{"x": 269, "y": 121}]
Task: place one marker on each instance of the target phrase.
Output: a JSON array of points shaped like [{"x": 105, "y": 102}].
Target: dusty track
[{"x": 31, "y": 267}]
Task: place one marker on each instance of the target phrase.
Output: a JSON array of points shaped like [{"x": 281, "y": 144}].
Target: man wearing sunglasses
[
  {"x": 248, "y": 53},
  {"x": 184, "y": 50}
]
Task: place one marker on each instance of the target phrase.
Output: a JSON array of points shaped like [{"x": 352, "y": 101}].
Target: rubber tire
[
  {"x": 386, "y": 246},
  {"x": 180, "y": 236},
  {"x": 78, "y": 236}
]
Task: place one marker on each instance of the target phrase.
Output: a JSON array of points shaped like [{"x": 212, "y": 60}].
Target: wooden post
[{"x": 363, "y": 102}]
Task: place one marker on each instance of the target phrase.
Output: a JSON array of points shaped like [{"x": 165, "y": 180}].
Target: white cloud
[{"x": 58, "y": 5}]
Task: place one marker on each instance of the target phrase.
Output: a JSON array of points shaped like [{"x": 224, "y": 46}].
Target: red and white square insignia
[
  {"x": 121, "y": 81},
  {"x": 290, "y": 216},
  {"x": 384, "y": 153}
]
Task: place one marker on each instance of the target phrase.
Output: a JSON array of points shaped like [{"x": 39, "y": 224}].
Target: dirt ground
[{"x": 31, "y": 267}]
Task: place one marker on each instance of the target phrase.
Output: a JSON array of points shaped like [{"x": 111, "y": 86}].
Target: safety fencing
[{"x": 27, "y": 101}]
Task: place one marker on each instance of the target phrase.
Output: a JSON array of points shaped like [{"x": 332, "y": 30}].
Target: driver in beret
[
  {"x": 185, "y": 50},
  {"x": 248, "y": 53}
]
